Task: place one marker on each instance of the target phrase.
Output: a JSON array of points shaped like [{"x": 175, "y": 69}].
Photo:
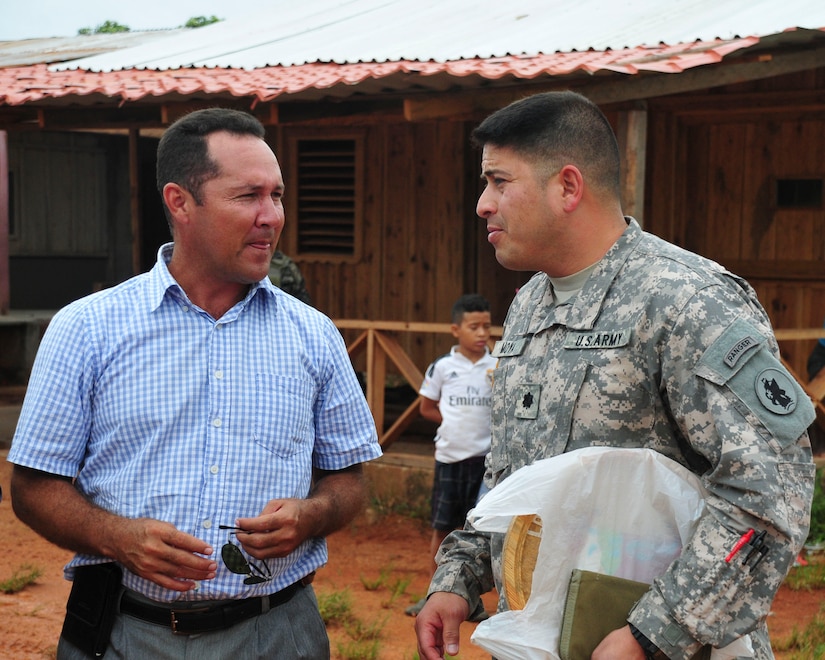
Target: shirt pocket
[
  {"x": 283, "y": 414},
  {"x": 613, "y": 404}
]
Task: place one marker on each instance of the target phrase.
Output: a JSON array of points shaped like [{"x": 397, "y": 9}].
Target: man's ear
[
  {"x": 177, "y": 200},
  {"x": 572, "y": 186},
  {"x": 454, "y": 328}
]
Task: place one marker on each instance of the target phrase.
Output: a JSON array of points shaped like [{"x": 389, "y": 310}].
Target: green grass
[
  {"x": 20, "y": 579},
  {"x": 413, "y": 503},
  {"x": 810, "y": 577},
  {"x": 808, "y": 643},
  {"x": 363, "y": 637},
  {"x": 377, "y": 583},
  {"x": 356, "y": 650},
  {"x": 397, "y": 589},
  {"x": 817, "y": 532},
  {"x": 361, "y": 631},
  {"x": 335, "y": 607}
]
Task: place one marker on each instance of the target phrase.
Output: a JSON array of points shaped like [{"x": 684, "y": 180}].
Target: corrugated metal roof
[
  {"x": 353, "y": 55},
  {"x": 351, "y": 31},
  {"x": 61, "y": 49},
  {"x": 38, "y": 83}
]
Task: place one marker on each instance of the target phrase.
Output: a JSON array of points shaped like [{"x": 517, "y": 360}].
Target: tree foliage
[
  {"x": 111, "y": 27},
  {"x": 107, "y": 27},
  {"x": 200, "y": 21}
]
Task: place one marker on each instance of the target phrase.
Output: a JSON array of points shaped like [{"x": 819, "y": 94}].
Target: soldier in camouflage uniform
[
  {"x": 624, "y": 340},
  {"x": 284, "y": 273}
]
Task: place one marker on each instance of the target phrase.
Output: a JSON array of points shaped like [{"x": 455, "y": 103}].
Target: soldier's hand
[{"x": 437, "y": 625}]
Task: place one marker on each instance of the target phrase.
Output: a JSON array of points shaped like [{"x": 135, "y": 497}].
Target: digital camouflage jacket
[{"x": 666, "y": 350}]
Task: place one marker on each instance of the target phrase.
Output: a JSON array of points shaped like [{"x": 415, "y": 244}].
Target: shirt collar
[
  {"x": 455, "y": 352},
  {"x": 162, "y": 281},
  {"x": 582, "y": 311}
]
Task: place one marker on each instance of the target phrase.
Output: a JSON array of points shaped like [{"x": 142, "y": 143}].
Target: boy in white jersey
[{"x": 456, "y": 395}]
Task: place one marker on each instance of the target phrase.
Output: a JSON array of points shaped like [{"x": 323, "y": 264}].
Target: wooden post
[
  {"x": 5, "y": 283},
  {"x": 632, "y": 135},
  {"x": 379, "y": 347},
  {"x": 376, "y": 380},
  {"x": 134, "y": 199}
]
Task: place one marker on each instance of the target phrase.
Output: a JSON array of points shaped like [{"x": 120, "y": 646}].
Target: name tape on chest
[
  {"x": 508, "y": 347},
  {"x": 597, "y": 339}
]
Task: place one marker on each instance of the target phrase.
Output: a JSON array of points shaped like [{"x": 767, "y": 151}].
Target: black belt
[{"x": 208, "y": 618}]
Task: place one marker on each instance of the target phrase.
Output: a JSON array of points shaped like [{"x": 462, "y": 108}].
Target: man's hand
[
  {"x": 161, "y": 553},
  {"x": 619, "y": 645},
  {"x": 437, "y": 624},
  {"x": 336, "y": 498},
  {"x": 280, "y": 528},
  {"x": 155, "y": 550}
]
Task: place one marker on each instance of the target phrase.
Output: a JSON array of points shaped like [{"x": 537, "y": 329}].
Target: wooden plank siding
[
  {"x": 710, "y": 160},
  {"x": 711, "y": 186},
  {"x": 422, "y": 245}
]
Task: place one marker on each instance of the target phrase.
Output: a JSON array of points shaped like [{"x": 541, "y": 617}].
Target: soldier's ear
[{"x": 571, "y": 182}]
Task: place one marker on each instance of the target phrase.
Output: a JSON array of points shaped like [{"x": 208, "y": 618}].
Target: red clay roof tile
[{"x": 30, "y": 84}]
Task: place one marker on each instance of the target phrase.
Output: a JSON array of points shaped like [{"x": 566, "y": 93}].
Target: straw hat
[{"x": 521, "y": 548}]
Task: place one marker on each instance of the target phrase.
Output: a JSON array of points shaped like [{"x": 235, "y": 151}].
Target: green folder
[{"x": 596, "y": 605}]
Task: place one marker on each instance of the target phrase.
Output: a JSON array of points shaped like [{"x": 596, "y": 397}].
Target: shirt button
[
  {"x": 214, "y": 469},
  {"x": 219, "y": 374},
  {"x": 216, "y": 422},
  {"x": 184, "y": 308},
  {"x": 207, "y": 524}
]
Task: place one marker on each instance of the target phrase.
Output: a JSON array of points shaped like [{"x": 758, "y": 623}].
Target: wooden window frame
[{"x": 293, "y": 180}]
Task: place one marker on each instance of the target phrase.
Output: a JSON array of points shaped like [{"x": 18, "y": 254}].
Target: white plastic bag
[{"x": 623, "y": 512}]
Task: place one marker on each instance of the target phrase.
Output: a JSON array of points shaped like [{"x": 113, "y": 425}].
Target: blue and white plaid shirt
[{"x": 162, "y": 412}]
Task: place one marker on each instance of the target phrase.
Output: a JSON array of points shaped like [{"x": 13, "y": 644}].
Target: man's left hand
[{"x": 280, "y": 528}]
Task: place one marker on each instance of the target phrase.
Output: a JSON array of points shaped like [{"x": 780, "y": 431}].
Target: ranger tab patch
[
  {"x": 597, "y": 339},
  {"x": 739, "y": 349}
]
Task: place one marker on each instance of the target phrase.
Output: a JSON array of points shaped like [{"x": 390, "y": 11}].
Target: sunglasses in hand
[{"x": 235, "y": 560}]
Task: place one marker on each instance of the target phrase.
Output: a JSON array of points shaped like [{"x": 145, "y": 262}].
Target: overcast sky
[{"x": 25, "y": 19}]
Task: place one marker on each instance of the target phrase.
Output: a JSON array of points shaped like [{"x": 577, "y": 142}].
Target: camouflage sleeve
[
  {"x": 464, "y": 567},
  {"x": 741, "y": 410},
  {"x": 285, "y": 274}
]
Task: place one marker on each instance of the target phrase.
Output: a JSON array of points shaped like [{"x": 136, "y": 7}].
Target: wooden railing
[
  {"x": 377, "y": 340},
  {"x": 816, "y": 387},
  {"x": 379, "y": 343}
]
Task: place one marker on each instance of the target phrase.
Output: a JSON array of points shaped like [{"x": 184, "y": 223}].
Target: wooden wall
[
  {"x": 713, "y": 164},
  {"x": 422, "y": 244},
  {"x": 69, "y": 220}
]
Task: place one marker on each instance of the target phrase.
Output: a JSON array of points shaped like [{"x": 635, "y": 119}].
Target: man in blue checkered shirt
[{"x": 195, "y": 428}]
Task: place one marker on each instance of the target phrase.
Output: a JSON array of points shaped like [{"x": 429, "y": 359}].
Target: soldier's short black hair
[{"x": 554, "y": 129}]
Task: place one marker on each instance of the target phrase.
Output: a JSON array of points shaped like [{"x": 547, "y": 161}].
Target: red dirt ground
[{"x": 30, "y": 620}]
